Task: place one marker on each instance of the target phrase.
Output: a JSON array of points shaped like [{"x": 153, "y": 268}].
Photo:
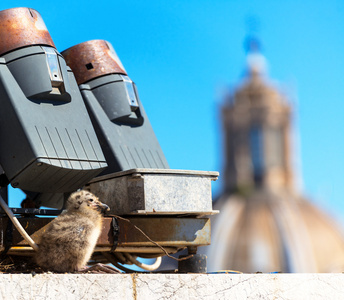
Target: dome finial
[
  {"x": 252, "y": 43},
  {"x": 256, "y": 62}
]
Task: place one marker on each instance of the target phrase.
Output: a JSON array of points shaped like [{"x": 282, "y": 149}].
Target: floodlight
[
  {"x": 122, "y": 126},
  {"x": 47, "y": 141}
]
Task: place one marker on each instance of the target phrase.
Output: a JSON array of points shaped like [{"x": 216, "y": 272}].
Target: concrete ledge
[{"x": 172, "y": 286}]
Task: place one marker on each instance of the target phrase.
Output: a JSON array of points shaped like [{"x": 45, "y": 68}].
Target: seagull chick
[{"x": 69, "y": 240}]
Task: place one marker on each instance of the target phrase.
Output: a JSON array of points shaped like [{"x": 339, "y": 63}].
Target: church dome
[
  {"x": 268, "y": 231},
  {"x": 264, "y": 224}
]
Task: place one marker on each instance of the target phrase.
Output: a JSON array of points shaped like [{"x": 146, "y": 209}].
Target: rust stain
[
  {"x": 133, "y": 278},
  {"x": 93, "y": 59},
  {"x": 21, "y": 27}
]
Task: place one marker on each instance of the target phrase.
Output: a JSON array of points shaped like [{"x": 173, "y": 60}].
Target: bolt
[{"x": 192, "y": 250}]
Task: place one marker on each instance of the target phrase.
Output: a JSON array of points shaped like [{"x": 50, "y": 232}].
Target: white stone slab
[{"x": 172, "y": 286}]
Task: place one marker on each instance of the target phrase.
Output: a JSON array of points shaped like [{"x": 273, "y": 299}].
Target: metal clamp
[
  {"x": 54, "y": 70},
  {"x": 115, "y": 233},
  {"x": 8, "y": 238},
  {"x": 131, "y": 96}
]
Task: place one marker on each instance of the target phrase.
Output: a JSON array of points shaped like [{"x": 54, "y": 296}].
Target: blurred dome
[
  {"x": 268, "y": 231},
  {"x": 264, "y": 224}
]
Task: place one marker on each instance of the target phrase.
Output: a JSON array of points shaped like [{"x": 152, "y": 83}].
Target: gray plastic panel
[
  {"x": 29, "y": 68},
  {"x": 127, "y": 143},
  {"x": 47, "y": 143}
]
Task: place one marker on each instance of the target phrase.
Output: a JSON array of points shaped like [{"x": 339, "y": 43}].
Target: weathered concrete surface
[
  {"x": 172, "y": 286},
  {"x": 65, "y": 286}
]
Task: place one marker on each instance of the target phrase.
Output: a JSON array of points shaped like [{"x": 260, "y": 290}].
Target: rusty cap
[
  {"x": 93, "y": 59},
  {"x": 21, "y": 27}
]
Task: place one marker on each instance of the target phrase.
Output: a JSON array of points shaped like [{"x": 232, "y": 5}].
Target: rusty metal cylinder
[
  {"x": 92, "y": 59},
  {"x": 21, "y": 27},
  {"x": 195, "y": 264}
]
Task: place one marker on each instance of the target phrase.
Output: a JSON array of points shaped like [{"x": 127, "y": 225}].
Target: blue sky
[{"x": 183, "y": 55}]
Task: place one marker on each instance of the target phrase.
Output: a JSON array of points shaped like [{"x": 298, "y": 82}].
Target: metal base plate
[
  {"x": 156, "y": 191},
  {"x": 170, "y": 233}
]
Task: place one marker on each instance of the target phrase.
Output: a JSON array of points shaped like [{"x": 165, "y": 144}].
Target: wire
[
  {"x": 153, "y": 242},
  {"x": 18, "y": 225},
  {"x": 110, "y": 257},
  {"x": 121, "y": 259},
  {"x": 141, "y": 265},
  {"x": 226, "y": 272}
]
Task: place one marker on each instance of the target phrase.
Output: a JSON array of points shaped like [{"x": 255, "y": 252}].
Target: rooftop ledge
[{"x": 172, "y": 286}]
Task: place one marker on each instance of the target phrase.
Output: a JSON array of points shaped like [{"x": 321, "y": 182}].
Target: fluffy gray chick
[{"x": 68, "y": 242}]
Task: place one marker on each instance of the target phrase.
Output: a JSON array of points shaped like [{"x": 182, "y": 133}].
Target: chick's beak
[{"x": 104, "y": 208}]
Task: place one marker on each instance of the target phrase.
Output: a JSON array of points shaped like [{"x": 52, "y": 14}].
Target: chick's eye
[{"x": 91, "y": 200}]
